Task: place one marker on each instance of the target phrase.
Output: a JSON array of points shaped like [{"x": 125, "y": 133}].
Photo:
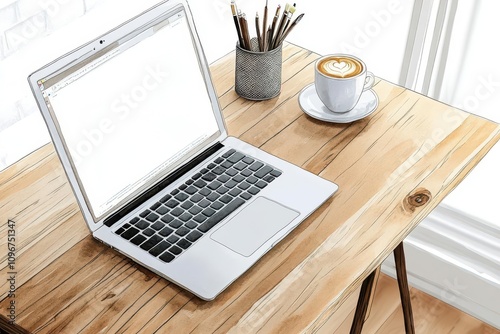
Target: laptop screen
[{"x": 132, "y": 112}]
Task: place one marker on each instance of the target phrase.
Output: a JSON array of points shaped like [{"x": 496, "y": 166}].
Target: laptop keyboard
[{"x": 179, "y": 219}]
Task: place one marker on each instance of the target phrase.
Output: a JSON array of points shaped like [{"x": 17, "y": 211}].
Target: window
[{"x": 31, "y": 32}]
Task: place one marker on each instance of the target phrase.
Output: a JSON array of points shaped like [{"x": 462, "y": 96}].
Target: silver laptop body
[{"x": 134, "y": 117}]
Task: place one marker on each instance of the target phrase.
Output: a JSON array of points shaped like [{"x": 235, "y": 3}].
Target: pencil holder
[{"x": 258, "y": 74}]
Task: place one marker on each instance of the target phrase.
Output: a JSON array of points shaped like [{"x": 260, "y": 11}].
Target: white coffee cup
[{"x": 340, "y": 79}]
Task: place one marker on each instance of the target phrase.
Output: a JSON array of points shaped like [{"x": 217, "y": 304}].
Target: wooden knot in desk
[{"x": 419, "y": 198}]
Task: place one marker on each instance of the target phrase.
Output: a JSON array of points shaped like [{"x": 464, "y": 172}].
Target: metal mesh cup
[{"x": 258, "y": 74}]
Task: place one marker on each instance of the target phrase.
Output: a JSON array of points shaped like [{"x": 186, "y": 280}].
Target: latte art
[{"x": 340, "y": 67}]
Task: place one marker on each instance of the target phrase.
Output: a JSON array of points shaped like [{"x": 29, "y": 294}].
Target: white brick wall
[
  {"x": 21, "y": 23},
  {"x": 89, "y": 4},
  {"x": 27, "y": 8},
  {"x": 1, "y": 47},
  {"x": 24, "y": 32},
  {"x": 48, "y": 29},
  {"x": 8, "y": 15},
  {"x": 61, "y": 12}
]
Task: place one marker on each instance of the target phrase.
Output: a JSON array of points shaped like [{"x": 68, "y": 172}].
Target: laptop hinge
[{"x": 139, "y": 200}]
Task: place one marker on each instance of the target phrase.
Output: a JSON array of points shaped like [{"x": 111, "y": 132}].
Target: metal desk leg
[
  {"x": 367, "y": 291},
  {"x": 372, "y": 294},
  {"x": 363, "y": 303},
  {"x": 404, "y": 290}
]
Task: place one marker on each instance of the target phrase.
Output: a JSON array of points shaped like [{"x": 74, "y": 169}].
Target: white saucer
[{"x": 311, "y": 104}]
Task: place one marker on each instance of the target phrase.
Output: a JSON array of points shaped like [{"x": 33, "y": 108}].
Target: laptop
[{"x": 135, "y": 121}]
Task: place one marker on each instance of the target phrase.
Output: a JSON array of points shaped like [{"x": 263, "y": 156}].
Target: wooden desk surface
[{"x": 393, "y": 168}]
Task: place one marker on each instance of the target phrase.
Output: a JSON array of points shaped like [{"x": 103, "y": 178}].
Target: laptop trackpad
[{"x": 254, "y": 225}]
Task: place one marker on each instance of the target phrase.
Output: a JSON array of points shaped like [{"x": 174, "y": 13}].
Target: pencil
[
  {"x": 273, "y": 28},
  {"x": 281, "y": 26},
  {"x": 294, "y": 23},
  {"x": 287, "y": 20},
  {"x": 242, "y": 27},
  {"x": 245, "y": 32},
  {"x": 236, "y": 22},
  {"x": 257, "y": 30},
  {"x": 264, "y": 29},
  {"x": 268, "y": 44}
]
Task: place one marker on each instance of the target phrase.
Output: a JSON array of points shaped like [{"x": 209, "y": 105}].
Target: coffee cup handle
[{"x": 369, "y": 81}]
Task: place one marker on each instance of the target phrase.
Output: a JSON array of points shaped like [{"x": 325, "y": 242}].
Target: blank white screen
[{"x": 133, "y": 115}]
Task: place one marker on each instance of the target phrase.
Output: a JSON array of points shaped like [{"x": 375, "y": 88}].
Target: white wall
[
  {"x": 471, "y": 78},
  {"x": 33, "y": 32},
  {"x": 376, "y": 31}
]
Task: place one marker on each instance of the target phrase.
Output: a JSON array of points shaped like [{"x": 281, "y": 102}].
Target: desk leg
[
  {"x": 363, "y": 303},
  {"x": 367, "y": 292},
  {"x": 404, "y": 290},
  {"x": 7, "y": 327},
  {"x": 372, "y": 293}
]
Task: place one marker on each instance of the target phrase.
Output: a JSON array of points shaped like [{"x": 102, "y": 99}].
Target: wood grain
[{"x": 411, "y": 145}]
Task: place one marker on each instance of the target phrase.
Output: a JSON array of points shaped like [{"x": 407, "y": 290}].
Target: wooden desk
[{"x": 385, "y": 165}]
